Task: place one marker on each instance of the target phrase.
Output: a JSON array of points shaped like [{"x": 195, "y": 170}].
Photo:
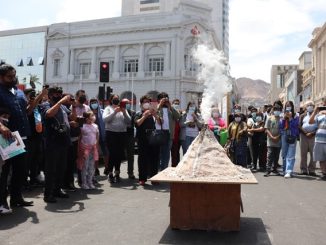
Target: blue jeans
[
  {"x": 165, "y": 153},
  {"x": 288, "y": 155},
  {"x": 186, "y": 143}
]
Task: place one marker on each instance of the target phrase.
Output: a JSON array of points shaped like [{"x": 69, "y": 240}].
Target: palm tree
[{"x": 33, "y": 79}]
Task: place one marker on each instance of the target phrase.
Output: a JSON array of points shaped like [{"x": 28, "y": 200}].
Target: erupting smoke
[{"x": 215, "y": 76}]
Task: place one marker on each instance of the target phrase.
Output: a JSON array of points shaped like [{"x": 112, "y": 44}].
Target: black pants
[
  {"x": 273, "y": 154},
  {"x": 148, "y": 160},
  {"x": 34, "y": 158},
  {"x": 18, "y": 166},
  {"x": 71, "y": 164},
  {"x": 116, "y": 147},
  {"x": 55, "y": 167},
  {"x": 175, "y": 153},
  {"x": 130, "y": 153},
  {"x": 259, "y": 153}
]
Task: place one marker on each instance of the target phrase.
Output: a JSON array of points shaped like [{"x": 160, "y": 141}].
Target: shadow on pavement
[
  {"x": 252, "y": 231},
  {"x": 19, "y": 216},
  {"x": 74, "y": 203}
]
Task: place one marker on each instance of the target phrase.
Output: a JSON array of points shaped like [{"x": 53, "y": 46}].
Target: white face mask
[
  {"x": 191, "y": 109},
  {"x": 277, "y": 113},
  {"x": 310, "y": 108},
  {"x": 146, "y": 105},
  {"x": 216, "y": 114},
  {"x": 238, "y": 119}
]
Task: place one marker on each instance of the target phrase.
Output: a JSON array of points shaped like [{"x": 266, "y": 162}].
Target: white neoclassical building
[{"x": 147, "y": 52}]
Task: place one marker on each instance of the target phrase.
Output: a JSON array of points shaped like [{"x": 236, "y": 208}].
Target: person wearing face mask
[
  {"x": 148, "y": 155},
  {"x": 80, "y": 105},
  {"x": 130, "y": 142},
  {"x": 88, "y": 150},
  {"x": 169, "y": 116},
  {"x": 190, "y": 123},
  {"x": 319, "y": 117},
  {"x": 98, "y": 112},
  {"x": 236, "y": 109},
  {"x": 57, "y": 142},
  {"x": 272, "y": 127},
  {"x": 216, "y": 123},
  {"x": 237, "y": 141},
  {"x": 307, "y": 140},
  {"x": 116, "y": 120},
  {"x": 175, "y": 149},
  {"x": 15, "y": 101},
  {"x": 258, "y": 142},
  {"x": 290, "y": 131},
  {"x": 250, "y": 123}
]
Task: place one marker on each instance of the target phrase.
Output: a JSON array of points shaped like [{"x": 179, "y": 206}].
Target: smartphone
[{"x": 322, "y": 108}]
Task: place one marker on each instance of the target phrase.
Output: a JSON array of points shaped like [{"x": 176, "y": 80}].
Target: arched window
[
  {"x": 84, "y": 64},
  {"x": 130, "y": 60}
]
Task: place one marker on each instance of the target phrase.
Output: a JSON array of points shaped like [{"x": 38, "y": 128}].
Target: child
[{"x": 88, "y": 150}]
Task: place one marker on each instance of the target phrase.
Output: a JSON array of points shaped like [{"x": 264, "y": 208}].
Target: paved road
[{"x": 276, "y": 211}]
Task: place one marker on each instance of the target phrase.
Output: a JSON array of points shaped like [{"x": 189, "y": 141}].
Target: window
[
  {"x": 131, "y": 65},
  {"x": 56, "y": 67},
  {"x": 190, "y": 64},
  {"x": 280, "y": 81},
  {"x": 156, "y": 64},
  {"x": 149, "y": 1},
  {"x": 85, "y": 69}
]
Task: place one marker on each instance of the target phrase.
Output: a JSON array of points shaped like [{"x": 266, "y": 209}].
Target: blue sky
[{"x": 262, "y": 32}]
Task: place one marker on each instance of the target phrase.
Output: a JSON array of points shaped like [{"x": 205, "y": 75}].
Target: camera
[{"x": 322, "y": 108}]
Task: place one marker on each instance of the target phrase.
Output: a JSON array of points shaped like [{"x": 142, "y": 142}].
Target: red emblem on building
[{"x": 195, "y": 31}]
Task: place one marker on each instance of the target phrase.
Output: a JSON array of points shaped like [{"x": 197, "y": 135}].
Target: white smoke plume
[{"x": 214, "y": 74}]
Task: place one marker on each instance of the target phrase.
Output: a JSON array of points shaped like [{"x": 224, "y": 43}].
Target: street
[{"x": 276, "y": 211}]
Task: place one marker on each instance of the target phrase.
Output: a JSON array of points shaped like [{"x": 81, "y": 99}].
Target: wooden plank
[{"x": 205, "y": 207}]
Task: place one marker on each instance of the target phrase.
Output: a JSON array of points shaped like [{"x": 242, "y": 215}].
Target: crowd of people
[
  {"x": 66, "y": 136},
  {"x": 257, "y": 139}
]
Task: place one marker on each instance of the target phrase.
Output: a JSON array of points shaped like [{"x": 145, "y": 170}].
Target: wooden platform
[{"x": 205, "y": 207}]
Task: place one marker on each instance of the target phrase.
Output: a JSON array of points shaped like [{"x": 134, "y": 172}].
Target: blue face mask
[
  {"x": 277, "y": 113},
  {"x": 94, "y": 106},
  {"x": 253, "y": 114},
  {"x": 128, "y": 106},
  {"x": 259, "y": 119},
  {"x": 237, "y": 111}
]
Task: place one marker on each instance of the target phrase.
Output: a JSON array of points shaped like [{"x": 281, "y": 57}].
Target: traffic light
[
  {"x": 104, "y": 72},
  {"x": 109, "y": 91}
]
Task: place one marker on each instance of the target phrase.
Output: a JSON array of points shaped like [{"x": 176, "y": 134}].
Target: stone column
[
  {"x": 116, "y": 68},
  {"x": 173, "y": 56},
  {"x": 71, "y": 76},
  {"x": 180, "y": 55},
  {"x": 167, "y": 58},
  {"x": 141, "y": 60},
  {"x": 94, "y": 65}
]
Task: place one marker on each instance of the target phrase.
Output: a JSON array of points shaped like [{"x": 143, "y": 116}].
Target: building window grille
[
  {"x": 85, "y": 69},
  {"x": 280, "y": 81},
  {"x": 56, "y": 67},
  {"x": 156, "y": 64},
  {"x": 131, "y": 65}
]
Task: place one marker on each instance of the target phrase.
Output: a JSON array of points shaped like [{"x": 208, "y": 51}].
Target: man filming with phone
[{"x": 319, "y": 117}]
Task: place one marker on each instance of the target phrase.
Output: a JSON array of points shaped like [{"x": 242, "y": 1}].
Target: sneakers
[
  {"x": 91, "y": 186},
  {"x": 267, "y": 173},
  {"x": 111, "y": 179},
  {"x": 142, "y": 182},
  {"x": 5, "y": 210},
  {"x": 85, "y": 187},
  {"x": 287, "y": 175},
  {"x": 117, "y": 178}
]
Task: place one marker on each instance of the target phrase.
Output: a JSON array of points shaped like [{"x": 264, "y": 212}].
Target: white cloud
[
  {"x": 75, "y": 10},
  {"x": 261, "y": 32},
  {"x": 5, "y": 25}
]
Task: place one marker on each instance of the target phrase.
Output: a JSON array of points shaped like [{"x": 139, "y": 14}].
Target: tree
[{"x": 33, "y": 79}]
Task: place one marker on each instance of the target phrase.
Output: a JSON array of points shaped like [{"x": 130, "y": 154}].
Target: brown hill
[{"x": 252, "y": 92}]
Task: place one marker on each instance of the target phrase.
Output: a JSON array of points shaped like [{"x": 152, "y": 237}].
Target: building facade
[
  {"x": 146, "y": 53},
  {"x": 25, "y": 49},
  {"x": 318, "y": 46},
  {"x": 278, "y": 79},
  {"x": 219, "y": 16}
]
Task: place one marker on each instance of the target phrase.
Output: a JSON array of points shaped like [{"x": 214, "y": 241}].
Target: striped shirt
[{"x": 321, "y": 131}]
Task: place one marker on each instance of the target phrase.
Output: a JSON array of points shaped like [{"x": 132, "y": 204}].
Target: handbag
[
  {"x": 290, "y": 139},
  {"x": 156, "y": 137}
]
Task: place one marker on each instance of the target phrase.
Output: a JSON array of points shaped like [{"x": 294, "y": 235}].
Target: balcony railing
[
  {"x": 187, "y": 73},
  {"x": 128, "y": 74},
  {"x": 154, "y": 74}
]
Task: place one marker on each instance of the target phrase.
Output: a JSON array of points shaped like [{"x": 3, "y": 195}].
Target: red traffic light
[{"x": 104, "y": 66}]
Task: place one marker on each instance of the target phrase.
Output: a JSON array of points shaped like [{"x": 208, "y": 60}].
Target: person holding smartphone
[
  {"x": 290, "y": 132},
  {"x": 319, "y": 117}
]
